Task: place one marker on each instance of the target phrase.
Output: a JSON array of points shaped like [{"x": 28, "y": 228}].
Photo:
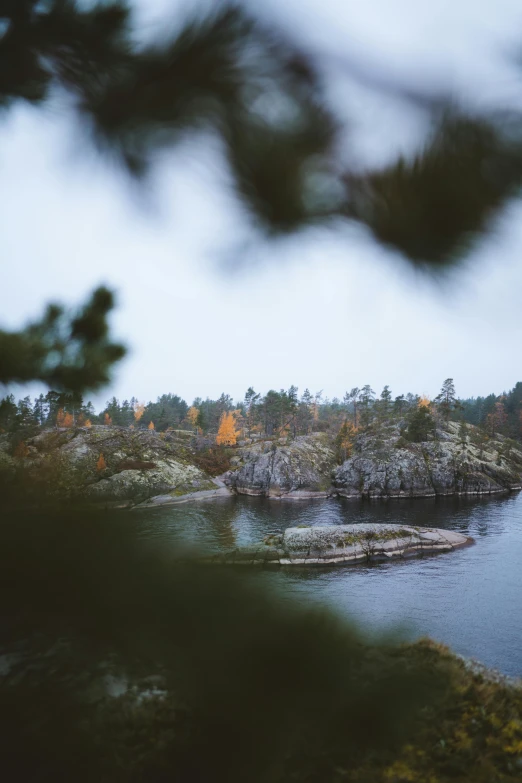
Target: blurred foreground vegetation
[{"x": 222, "y": 678}]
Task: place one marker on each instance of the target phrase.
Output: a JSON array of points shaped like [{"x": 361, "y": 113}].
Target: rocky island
[
  {"x": 383, "y": 464},
  {"x": 345, "y": 544},
  {"x": 122, "y": 467}
]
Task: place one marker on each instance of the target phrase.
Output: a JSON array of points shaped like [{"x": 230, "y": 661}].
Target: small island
[{"x": 345, "y": 545}]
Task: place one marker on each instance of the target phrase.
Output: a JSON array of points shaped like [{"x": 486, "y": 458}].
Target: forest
[{"x": 283, "y": 412}]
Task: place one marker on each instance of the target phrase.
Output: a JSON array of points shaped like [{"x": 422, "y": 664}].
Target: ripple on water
[{"x": 469, "y": 599}]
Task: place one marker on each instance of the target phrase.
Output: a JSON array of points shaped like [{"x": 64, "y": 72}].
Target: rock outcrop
[
  {"x": 345, "y": 544},
  {"x": 147, "y": 467},
  {"x": 300, "y": 469},
  {"x": 137, "y": 465},
  {"x": 388, "y": 466},
  {"x": 382, "y": 465}
]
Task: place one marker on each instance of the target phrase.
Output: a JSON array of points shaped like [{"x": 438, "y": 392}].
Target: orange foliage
[
  {"x": 192, "y": 415},
  {"x": 21, "y": 450},
  {"x": 424, "y": 401},
  {"x": 139, "y": 410},
  {"x": 107, "y": 419},
  {"x": 345, "y": 438},
  {"x": 227, "y": 433},
  {"x": 101, "y": 464},
  {"x": 64, "y": 419},
  {"x": 151, "y": 426},
  {"x": 87, "y": 423}
]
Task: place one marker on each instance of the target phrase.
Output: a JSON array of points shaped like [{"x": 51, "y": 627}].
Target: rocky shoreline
[
  {"x": 115, "y": 467},
  {"x": 382, "y": 465}
]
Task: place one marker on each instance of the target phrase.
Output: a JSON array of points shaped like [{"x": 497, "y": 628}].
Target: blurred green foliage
[
  {"x": 66, "y": 352},
  {"x": 257, "y": 89}
]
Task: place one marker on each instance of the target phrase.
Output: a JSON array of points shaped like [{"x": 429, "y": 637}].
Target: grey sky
[{"x": 323, "y": 311}]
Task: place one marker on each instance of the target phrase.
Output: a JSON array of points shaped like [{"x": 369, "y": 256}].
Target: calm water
[{"x": 470, "y": 599}]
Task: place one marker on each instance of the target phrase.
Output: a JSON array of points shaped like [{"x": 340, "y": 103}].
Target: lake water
[{"x": 470, "y": 599}]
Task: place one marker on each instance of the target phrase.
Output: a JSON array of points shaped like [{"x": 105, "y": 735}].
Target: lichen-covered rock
[
  {"x": 136, "y": 465},
  {"x": 301, "y": 469},
  {"x": 345, "y": 544},
  {"x": 444, "y": 466}
]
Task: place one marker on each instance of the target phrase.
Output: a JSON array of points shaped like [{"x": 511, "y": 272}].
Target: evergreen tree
[
  {"x": 385, "y": 404},
  {"x": 366, "y": 397},
  {"x": 250, "y": 403},
  {"x": 352, "y": 398},
  {"x": 40, "y": 410},
  {"x": 447, "y": 398},
  {"x": 8, "y": 413},
  {"x": 399, "y": 405},
  {"x": 420, "y": 424}
]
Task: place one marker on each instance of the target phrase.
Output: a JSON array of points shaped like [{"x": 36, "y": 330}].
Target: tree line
[{"x": 284, "y": 412}]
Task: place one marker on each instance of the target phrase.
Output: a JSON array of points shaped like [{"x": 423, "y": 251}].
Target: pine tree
[
  {"x": 385, "y": 404},
  {"x": 366, "y": 398},
  {"x": 447, "y": 398},
  {"x": 352, "y": 398},
  {"x": 8, "y": 413},
  {"x": 251, "y": 400},
  {"x": 40, "y": 410},
  {"x": 420, "y": 424}
]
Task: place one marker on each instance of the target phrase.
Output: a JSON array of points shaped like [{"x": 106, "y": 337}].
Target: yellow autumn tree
[
  {"x": 424, "y": 401},
  {"x": 192, "y": 415},
  {"x": 139, "y": 410},
  {"x": 87, "y": 423},
  {"x": 227, "y": 433},
  {"x": 107, "y": 419},
  {"x": 151, "y": 425},
  {"x": 101, "y": 464}
]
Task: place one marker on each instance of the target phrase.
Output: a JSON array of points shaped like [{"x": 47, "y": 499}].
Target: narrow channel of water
[{"x": 470, "y": 599}]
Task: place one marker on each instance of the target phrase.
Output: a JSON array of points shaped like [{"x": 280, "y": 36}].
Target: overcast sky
[{"x": 321, "y": 311}]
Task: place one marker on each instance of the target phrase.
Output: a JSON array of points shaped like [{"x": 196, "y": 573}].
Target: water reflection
[{"x": 469, "y": 599}]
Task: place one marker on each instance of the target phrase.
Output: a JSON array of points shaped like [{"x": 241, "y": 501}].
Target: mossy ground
[{"x": 472, "y": 735}]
